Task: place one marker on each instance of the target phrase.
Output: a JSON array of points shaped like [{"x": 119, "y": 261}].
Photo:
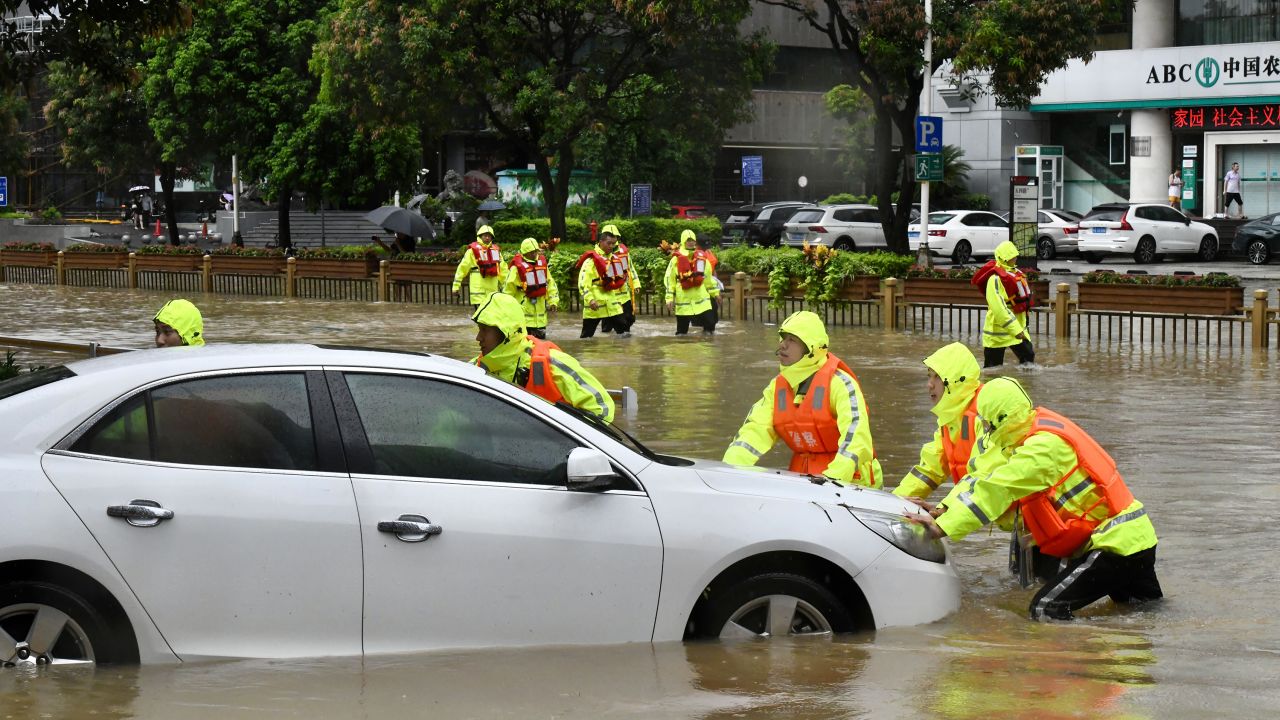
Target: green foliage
[
  {"x": 650, "y": 232},
  {"x": 50, "y": 214},
  {"x": 846, "y": 199},
  {"x": 852, "y": 106},
  {"x": 29, "y": 247},
  {"x": 509, "y": 233},
  {"x": 88, "y": 247},
  {"x": 1106, "y": 277},
  {"x": 437, "y": 257},
  {"x": 9, "y": 368},
  {"x": 247, "y": 251},
  {"x": 343, "y": 252},
  {"x": 167, "y": 249},
  {"x": 13, "y": 113}
]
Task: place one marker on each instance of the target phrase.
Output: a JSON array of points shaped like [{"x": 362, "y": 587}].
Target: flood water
[{"x": 1193, "y": 430}]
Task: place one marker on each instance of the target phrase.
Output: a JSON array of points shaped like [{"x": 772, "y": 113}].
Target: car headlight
[{"x": 906, "y": 536}]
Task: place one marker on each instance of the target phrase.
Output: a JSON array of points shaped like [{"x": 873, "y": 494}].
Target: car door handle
[
  {"x": 140, "y": 513},
  {"x": 410, "y": 528}
]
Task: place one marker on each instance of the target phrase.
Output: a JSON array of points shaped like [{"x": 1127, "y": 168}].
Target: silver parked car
[{"x": 1058, "y": 232}]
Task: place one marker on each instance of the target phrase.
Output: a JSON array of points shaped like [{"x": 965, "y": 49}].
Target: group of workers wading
[{"x": 1075, "y": 525}]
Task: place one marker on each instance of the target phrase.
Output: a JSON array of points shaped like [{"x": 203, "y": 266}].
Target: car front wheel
[
  {"x": 1146, "y": 251},
  {"x": 1258, "y": 252},
  {"x": 1208, "y": 248},
  {"x": 774, "y": 604},
  {"x": 1045, "y": 249},
  {"x": 46, "y": 624}
]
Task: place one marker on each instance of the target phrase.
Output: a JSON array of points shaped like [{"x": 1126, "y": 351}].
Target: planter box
[
  {"x": 860, "y": 287},
  {"x": 1157, "y": 299},
  {"x": 26, "y": 258},
  {"x": 948, "y": 291},
  {"x": 336, "y": 267},
  {"x": 94, "y": 260},
  {"x": 171, "y": 263},
  {"x": 247, "y": 265},
  {"x": 421, "y": 272}
]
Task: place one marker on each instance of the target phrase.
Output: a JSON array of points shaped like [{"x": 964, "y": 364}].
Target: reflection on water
[{"x": 1193, "y": 430}]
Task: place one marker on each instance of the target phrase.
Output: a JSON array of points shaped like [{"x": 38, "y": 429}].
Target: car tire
[
  {"x": 750, "y": 607},
  {"x": 1146, "y": 251},
  {"x": 1092, "y": 258},
  {"x": 1208, "y": 249},
  {"x": 85, "y": 633},
  {"x": 1258, "y": 252},
  {"x": 844, "y": 243},
  {"x": 1046, "y": 249},
  {"x": 962, "y": 252}
]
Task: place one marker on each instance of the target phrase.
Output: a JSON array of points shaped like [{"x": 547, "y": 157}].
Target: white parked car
[
  {"x": 295, "y": 500},
  {"x": 961, "y": 234},
  {"x": 842, "y": 227},
  {"x": 1144, "y": 231}
]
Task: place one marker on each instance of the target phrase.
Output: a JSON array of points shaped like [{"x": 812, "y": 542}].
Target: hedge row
[{"x": 636, "y": 232}]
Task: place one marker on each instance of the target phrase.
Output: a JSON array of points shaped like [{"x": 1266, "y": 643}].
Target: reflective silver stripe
[
  {"x": 967, "y": 498},
  {"x": 1121, "y": 519},
  {"x": 782, "y": 398},
  {"x": 847, "y": 440},
  {"x": 819, "y": 395},
  {"x": 1058, "y": 589},
  {"x": 964, "y": 428},
  {"x": 604, "y": 409},
  {"x": 1062, "y": 499},
  {"x": 1051, "y": 423},
  {"x": 915, "y": 472},
  {"x": 995, "y": 333},
  {"x": 1008, "y": 322},
  {"x": 743, "y": 444},
  {"x": 982, "y": 444}
]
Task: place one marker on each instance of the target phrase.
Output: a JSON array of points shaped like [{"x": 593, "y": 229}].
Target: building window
[
  {"x": 1117, "y": 156},
  {"x": 1220, "y": 22}
]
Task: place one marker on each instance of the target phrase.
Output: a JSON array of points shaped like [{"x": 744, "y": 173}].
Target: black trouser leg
[
  {"x": 992, "y": 357},
  {"x": 628, "y": 316},
  {"x": 540, "y": 333},
  {"x": 708, "y": 319},
  {"x": 589, "y": 326},
  {"x": 682, "y": 324},
  {"x": 1097, "y": 574},
  {"x": 1025, "y": 352},
  {"x": 614, "y": 324}
]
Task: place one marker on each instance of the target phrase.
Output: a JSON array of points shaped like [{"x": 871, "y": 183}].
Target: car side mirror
[{"x": 589, "y": 470}]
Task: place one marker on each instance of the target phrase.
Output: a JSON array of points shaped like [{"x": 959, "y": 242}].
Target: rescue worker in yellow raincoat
[
  {"x": 626, "y": 293},
  {"x": 954, "y": 382},
  {"x": 1069, "y": 496},
  {"x": 601, "y": 275},
  {"x": 178, "y": 323},
  {"x": 482, "y": 266},
  {"x": 529, "y": 281},
  {"x": 691, "y": 285},
  {"x": 509, "y": 353},
  {"x": 816, "y": 406},
  {"x": 1009, "y": 298}
]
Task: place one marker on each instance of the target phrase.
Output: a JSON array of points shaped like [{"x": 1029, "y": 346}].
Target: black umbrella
[
  {"x": 398, "y": 219},
  {"x": 490, "y": 205}
]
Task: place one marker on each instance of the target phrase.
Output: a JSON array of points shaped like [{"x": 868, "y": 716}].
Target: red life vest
[
  {"x": 533, "y": 276},
  {"x": 487, "y": 258},
  {"x": 612, "y": 273},
  {"x": 540, "y": 382},
  {"x": 1060, "y": 531},
  {"x": 809, "y": 428},
  {"x": 955, "y": 453},
  {"x": 621, "y": 254},
  {"x": 690, "y": 269},
  {"x": 1015, "y": 285}
]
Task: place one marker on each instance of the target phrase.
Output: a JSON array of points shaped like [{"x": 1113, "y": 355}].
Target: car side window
[
  {"x": 418, "y": 427},
  {"x": 863, "y": 216},
  {"x": 246, "y": 421},
  {"x": 974, "y": 220},
  {"x": 1147, "y": 213}
]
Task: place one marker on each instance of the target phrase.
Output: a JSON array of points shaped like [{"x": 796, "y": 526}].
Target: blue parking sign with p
[
  {"x": 4, "y": 192},
  {"x": 928, "y": 134}
]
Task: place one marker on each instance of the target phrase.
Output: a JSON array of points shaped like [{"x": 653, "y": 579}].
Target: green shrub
[
  {"x": 88, "y": 247},
  {"x": 344, "y": 252},
  {"x": 1217, "y": 279},
  {"x": 509, "y": 233},
  {"x": 845, "y": 199},
  {"x": 29, "y": 247},
  {"x": 167, "y": 249},
  {"x": 237, "y": 251},
  {"x": 442, "y": 257},
  {"x": 50, "y": 214}
]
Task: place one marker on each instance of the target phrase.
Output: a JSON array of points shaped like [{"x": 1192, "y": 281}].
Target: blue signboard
[
  {"x": 641, "y": 199},
  {"x": 752, "y": 170},
  {"x": 928, "y": 134},
  {"x": 4, "y": 191}
]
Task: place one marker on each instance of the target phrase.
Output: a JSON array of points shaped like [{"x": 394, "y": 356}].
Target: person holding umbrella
[
  {"x": 482, "y": 265},
  {"x": 407, "y": 225}
]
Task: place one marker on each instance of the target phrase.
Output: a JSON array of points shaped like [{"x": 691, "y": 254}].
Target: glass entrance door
[{"x": 1259, "y": 177}]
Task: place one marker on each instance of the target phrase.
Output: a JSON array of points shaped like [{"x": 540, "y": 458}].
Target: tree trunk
[
  {"x": 168, "y": 171},
  {"x": 284, "y": 238},
  {"x": 555, "y": 188}
]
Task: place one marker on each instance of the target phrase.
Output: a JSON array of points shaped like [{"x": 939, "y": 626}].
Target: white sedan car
[
  {"x": 1145, "y": 232},
  {"x": 294, "y": 500},
  {"x": 961, "y": 234}
]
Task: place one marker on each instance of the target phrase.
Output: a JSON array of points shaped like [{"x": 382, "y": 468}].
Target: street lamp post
[{"x": 923, "y": 258}]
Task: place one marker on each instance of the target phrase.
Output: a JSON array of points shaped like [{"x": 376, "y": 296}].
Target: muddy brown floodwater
[{"x": 1193, "y": 429}]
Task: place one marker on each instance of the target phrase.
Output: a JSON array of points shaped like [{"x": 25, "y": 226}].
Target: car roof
[
  {"x": 780, "y": 203},
  {"x": 848, "y": 206}
]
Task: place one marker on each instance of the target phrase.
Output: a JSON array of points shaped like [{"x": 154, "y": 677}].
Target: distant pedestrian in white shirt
[
  {"x": 1231, "y": 190},
  {"x": 1175, "y": 189}
]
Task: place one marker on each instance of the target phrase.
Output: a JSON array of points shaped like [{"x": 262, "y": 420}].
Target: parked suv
[
  {"x": 1145, "y": 231},
  {"x": 761, "y": 223},
  {"x": 843, "y": 227}
]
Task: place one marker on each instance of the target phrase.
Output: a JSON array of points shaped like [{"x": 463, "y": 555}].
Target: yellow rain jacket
[
  {"x": 184, "y": 317},
  {"x": 695, "y": 300},
  {"x": 478, "y": 285},
  {"x": 1003, "y": 327},
  {"x": 1032, "y": 462},
  {"x": 609, "y": 301},
  {"x": 535, "y": 309},
  {"x": 856, "y": 454},
  {"x": 510, "y": 360},
  {"x": 960, "y": 374}
]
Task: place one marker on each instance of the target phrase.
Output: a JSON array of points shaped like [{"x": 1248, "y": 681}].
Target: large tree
[
  {"x": 1005, "y": 47},
  {"x": 545, "y": 73}
]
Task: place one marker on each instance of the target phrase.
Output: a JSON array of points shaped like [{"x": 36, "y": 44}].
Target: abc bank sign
[{"x": 1206, "y": 75}]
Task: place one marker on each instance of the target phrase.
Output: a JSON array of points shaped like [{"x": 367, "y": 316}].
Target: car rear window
[
  {"x": 939, "y": 218},
  {"x": 807, "y": 216},
  {"x": 740, "y": 217},
  {"x": 1106, "y": 214},
  {"x": 32, "y": 380}
]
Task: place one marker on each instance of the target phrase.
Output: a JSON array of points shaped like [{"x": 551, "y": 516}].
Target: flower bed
[
  {"x": 235, "y": 260},
  {"x": 94, "y": 256},
  {"x": 955, "y": 286},
  {"x": 353, "y": 261},
  {"x": 181, "y": 258},
  {"x": 28, "y": 254},
  {"x": 1213, "y": 294}
]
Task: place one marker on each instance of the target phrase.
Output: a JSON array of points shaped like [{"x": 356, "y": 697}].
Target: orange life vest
[
  {"x": 534, "y": 276},
  {"x": 487, "y": 258},
  {"x": 540, "y": 382},
  {"x": 612, "y": 273},
  {"x": 1015, "y": 285},
  {"x": 690, "y": 269},
  {"x": 809, "y": 428},
  {"x": 955, "y": 453},
  {"x": 1058, "y": 530}
]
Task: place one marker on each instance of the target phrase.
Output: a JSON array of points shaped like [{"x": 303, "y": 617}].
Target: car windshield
[
  {"x": 807, "y": 216},
  {"x": 33, "y": 380},
  {"x": 621, "y": 436},
  {"x": 1106, "y": 214}
]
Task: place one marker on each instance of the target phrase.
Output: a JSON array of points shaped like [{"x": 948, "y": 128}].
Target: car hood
[{"x": 785, "y": 485}]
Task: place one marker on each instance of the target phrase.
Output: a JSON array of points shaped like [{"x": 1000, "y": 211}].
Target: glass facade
[{"x": 1222, "y": 22}]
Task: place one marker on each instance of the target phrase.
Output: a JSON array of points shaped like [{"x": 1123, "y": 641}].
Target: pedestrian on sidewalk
[{"x": 1231, "y": 191}]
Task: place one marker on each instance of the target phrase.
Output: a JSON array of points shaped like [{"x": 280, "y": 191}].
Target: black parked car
[
  {"x": 760, "y": 224},
  {"x": 1258, "y": 239}
]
